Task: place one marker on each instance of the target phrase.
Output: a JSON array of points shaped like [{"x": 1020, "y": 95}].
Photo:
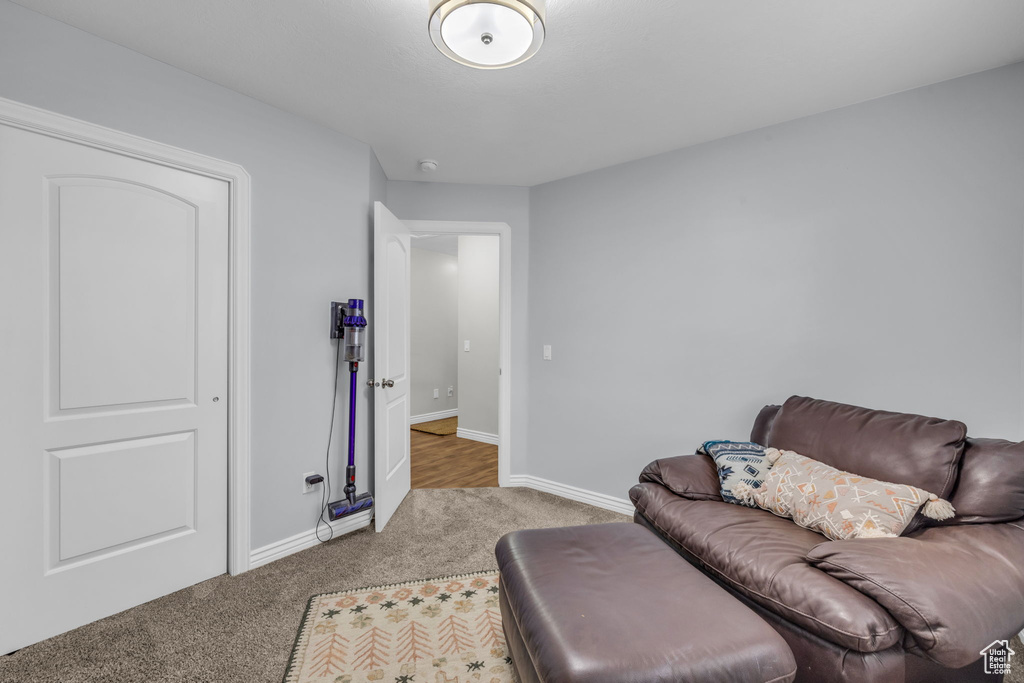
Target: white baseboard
[
  {"x": 601, "y": 500},
  {"x": 307, "y": 539},
  {"x": 474, "y": 435},
  {"x": 430, "y": 417}
]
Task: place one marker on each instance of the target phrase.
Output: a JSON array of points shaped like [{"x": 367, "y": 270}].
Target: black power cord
[{"x": 325, "y": 495}]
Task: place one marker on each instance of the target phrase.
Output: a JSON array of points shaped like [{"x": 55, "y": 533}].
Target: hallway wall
[{"x": 434, "y": 331}]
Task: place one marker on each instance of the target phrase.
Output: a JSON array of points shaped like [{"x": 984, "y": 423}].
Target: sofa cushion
[
  {"x": 763, "y": 557},
  {"x": 990, "y": 487},
  {"x": 691, "y": 476},
  {"x": 955, "y": 589},
  {"x": 898, "y": 447},
  {"x": 763, "y": 424}
]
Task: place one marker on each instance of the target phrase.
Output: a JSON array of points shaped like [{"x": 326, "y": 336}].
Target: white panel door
[
  {"x": 392, "y": 471},
  {"x": 113, "y": 446}
]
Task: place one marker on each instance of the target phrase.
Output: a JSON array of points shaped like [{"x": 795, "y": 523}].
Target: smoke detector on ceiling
[
  {"x": 487, "y": 34},
  {"x": 428, "y": 166}
]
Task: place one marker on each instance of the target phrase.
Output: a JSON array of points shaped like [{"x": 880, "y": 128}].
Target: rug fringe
[{"x": 390, "y": 586}]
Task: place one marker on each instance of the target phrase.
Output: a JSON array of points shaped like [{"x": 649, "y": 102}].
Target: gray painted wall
[
  {"x": 434, "y": 331},
  {"x": 310, "y": 231},
  {"x": 478, "y": 293},
  {"x": 511, "y": 205},
  {"x": 870, "y": 255}
]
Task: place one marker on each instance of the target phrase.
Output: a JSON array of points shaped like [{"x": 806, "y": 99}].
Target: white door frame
[
  {"x": 18, "y": 115},
  {"x": 504, "y": 234}
]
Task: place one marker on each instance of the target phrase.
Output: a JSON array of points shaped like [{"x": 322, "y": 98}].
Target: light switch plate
[
  {"x": 437, "y": 393},
  {"x": 466, "y": 348},
  {"x": 547, "y": 352}
]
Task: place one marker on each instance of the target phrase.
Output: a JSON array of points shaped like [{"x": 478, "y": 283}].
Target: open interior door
[{"x": 391, "y": 268}]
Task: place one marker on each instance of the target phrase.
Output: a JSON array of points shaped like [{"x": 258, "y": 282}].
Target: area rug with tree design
[{"x": 444, "y": 630}]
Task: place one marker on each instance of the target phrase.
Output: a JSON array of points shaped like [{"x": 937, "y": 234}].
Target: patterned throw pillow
[
  {"x": 738, "y": 462},
  {"x": 839, "y": 504}
]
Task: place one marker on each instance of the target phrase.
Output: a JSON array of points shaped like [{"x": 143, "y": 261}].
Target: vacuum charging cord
[{"x": 325, "y": 496}]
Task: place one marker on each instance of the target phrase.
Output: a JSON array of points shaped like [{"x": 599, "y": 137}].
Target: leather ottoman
[{"x": 612, "y": 603}]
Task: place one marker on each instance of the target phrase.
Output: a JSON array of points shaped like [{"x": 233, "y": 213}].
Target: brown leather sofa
[{"x": 916, "y": 608}]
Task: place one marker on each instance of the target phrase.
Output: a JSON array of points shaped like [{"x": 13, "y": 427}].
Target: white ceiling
[{"x": 615, "y": 80}]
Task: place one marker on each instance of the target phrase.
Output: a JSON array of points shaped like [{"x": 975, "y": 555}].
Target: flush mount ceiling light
[{"x": 487, "y": 34}]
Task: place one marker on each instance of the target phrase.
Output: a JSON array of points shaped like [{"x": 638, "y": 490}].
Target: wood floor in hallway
[{"x": 448, "y": 462}]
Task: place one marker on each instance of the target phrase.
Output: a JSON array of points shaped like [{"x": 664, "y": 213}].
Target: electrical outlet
[
  {"x": 309, "y": 488},
  {"x": 437, "y": 393}
]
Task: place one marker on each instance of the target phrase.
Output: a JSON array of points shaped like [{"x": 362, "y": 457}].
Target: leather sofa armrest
[
  {"x": 693, "y": 477},
  {"x": 954, "y": 589}
]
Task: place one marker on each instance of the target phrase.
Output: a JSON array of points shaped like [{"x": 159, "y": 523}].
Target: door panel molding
[
  {"x": 87, "y": 334},
  {"x": 35, "y": 120},
  {"x": 99, "y": 513}
]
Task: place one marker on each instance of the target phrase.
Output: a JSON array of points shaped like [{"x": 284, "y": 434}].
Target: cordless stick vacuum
[{"x": 352, "y": 330}]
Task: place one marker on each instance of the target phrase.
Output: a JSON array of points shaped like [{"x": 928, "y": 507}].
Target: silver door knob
[
  {"x": 370, "y": 383},
  {"x": 387, "y": 383}
]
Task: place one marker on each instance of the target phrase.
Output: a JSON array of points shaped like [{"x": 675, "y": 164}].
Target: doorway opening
[
  {"x": 459, "y": 354},
  {"x": 454, "y": 362}
]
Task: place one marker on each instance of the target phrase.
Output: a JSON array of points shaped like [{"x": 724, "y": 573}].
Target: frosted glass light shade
[{"x": 487, "y": 34}]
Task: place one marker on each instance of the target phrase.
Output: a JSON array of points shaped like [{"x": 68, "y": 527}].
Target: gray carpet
[
  {"x": 1016, "y": 674},
  {"x": 242, "y": 628}
]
